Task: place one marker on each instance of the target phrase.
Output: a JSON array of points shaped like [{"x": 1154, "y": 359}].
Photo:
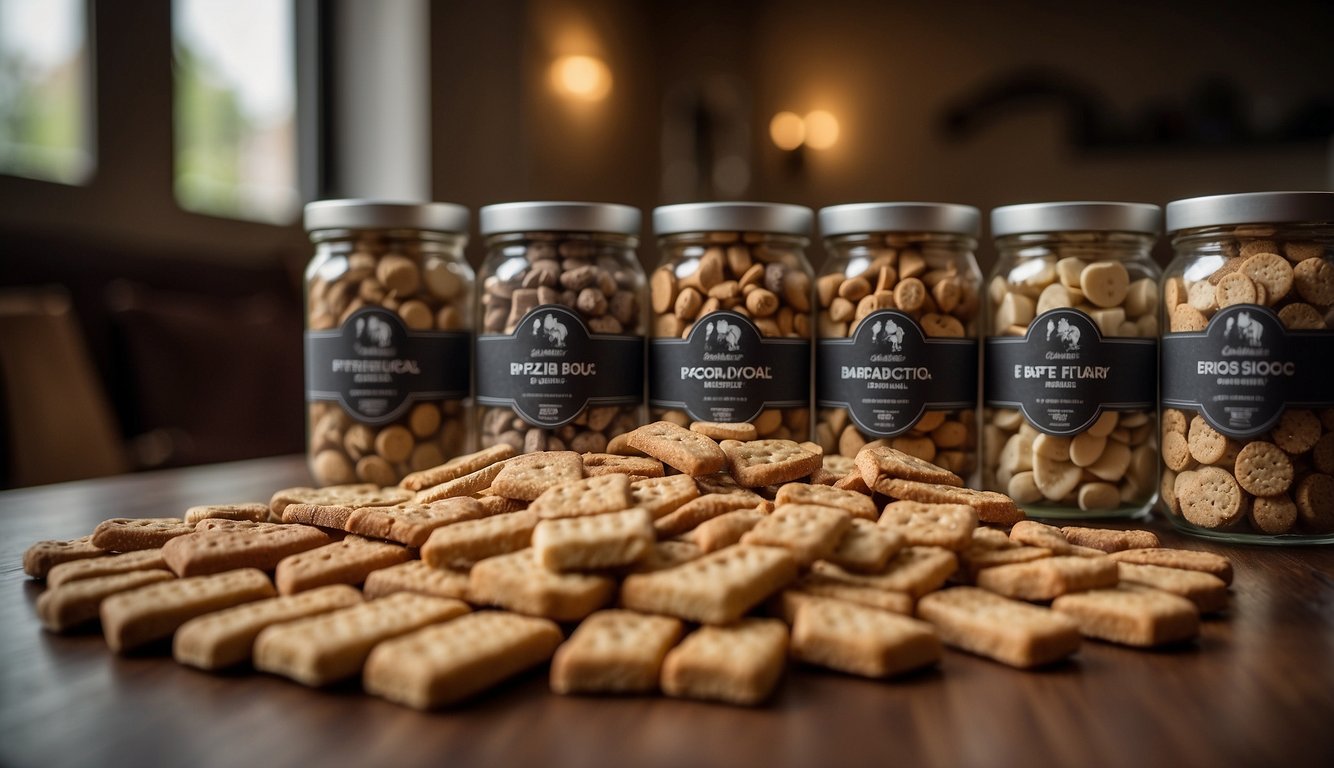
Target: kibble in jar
[
  {"x": 388, "y": 337},
  {"x": 1248, "y": 360},
  {"x": 732, "y": 312},
  {"x": 897, "y": 303},
  {"x": 1070, "y": 362},
  {"x": 561, "y": 349}
]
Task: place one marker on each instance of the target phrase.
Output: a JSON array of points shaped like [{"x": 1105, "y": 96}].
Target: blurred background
[{"x": 155, "y": 155}]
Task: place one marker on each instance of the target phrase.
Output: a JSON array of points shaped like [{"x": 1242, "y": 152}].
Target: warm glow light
[
  {"x": 581, "y": 77},
  {"x": 821, "y": 129},
  {"x": 787, "y": 130}
]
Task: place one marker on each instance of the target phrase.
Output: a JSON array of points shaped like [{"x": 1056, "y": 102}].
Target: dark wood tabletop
[{"x": 1256, "y": 689}]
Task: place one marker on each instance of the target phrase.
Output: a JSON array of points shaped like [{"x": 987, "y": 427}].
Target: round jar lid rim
[
  {"x": 857, "y": 218},
  {"x": 1076, "y": 216},
  {"x": 371, "y": 213},
  {"x": 1250, "y": 208},
  {"x": 772, "y": 218},
  {"x": 559, "y": 216}
]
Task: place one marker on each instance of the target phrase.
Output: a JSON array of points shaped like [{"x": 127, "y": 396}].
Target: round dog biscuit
[
  {"x": 1273, "y": 514},
  {"x": 1206, "y": 445},
  {"x": 1271, "y": 271},
  {"x": 1186, "y": 319},
  {"x": 1086, "y": 448},
  {"x": 1209, "y": 497},
  {"x": 1322, "y": 455},
  {"x": 1263, "y": 469},
  {"x": 1297, "y": 431},
  {"x": 1099, "y": 497},
  {"x": 1176, "y": 452},
  {"x": 1314, "y": 280},
  {"x": 1234, "y": 289},
  {"x": 1104, "y": 283},
  {"x": 1315, "y": 502},
  {"x": 1055, "y": 479}
]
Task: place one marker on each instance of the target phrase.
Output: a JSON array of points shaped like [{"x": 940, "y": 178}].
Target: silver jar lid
[
  {"x": 1078, "y": 216},
  {"x": 1250, "y": 208},
  {"x": 856, "y": 218},
  {"x": 774, "y": 218},
  {"x": 560, "y": 216},
  {"x": 385, "y": 214}
]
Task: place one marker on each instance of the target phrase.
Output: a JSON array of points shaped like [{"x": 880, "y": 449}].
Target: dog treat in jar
[
  {"x": 732, "y": 317},
  {"x": 898, "y": 300},
  {"x": 1248, "y": 367},
  {"x": 560, "y": 355},
  {"x": 388, "y": 338},
  {"x": 1070, "y": 364}
]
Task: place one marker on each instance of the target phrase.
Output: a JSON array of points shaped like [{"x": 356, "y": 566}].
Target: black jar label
[
  {"x": 551, "y": 368},
  {"x": 726, "y": 370},
  {"x": 1062, "y": 373},
  {"x": 1245, "y": 368},
  {"x": 888, "y": 373},
  {"x": 376, "y": 368}
]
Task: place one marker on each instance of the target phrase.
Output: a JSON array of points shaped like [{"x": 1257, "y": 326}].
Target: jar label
[
  {"x": 551, "y": 368},
  {"x": 1062, "y": 374},
  {"x": 376, "y": 368},
  {"x": 1245, "y": 368},
  {"x": 726, "y": 370},
  {"x": 889, "y": 373}
]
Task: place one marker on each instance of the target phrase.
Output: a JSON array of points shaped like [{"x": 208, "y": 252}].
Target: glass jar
[
  {"x": 731, "y": 301},
  {"x": 560, "y": 358},
  {"x": 388, "y": 318},
  {"x": 1248, "y": 361},
  {"x": 896, "y": 360},
  {"x": 1070, "y": 366}
]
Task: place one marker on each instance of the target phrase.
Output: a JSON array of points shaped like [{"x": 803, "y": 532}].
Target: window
[
  {"x": 45, "y": 119},
  {"x": 235, "y": 108}
]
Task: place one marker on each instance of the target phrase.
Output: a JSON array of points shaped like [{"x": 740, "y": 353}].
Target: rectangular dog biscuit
[
  {"x": 667, "y": 554},
  {"x": 1049, "y": 577},
  {"x": 467, "y": 485},
  {"x": 40, "y": 558},
  {"x": 663, "y": 495},
  {"x": 769, "y": 462},
  {"x": 227, "y": 638},
  {"x": 914, "y": 570},
  {"x": 934, "y": 525},
  {"x": 411, "y": 524},
  {"x": 527, "y": 476},
  {"x": 877, "y": 462},
  {"x": 1131, "y": 615},
  {"x": 991, "y": 507},
  {"x": 679, "y": 448},
  {"x": 136, "y": 618},
  {"x": 323, "y": 649},
  {"x": 416, "y": 576},
  {"x": 855, "y": 504},
  {"x": 462, "y": 544},
  {"x": 1011, "y": 632},
  {"x": 725, "y": 529},
  {"x": 990, "y": 548},
  {"x": 1109, "y": 540},
  {"x": 126, "y": 534},
  {"x": 588, "y": 496},
  {"x": 457, "y": 467},
  {"x": 717, "y": 588},
  {"x": 861, "y": 641},
  {"x": 695, "y": 512},
  {"x": 257, "y": 512},
  {"x": 449, "y": 662},
  {"x": 614, "y": 652},
  {"x": 740, "y": 663},
  {"x": 519, "y": 583},
  {"x": 499, "y": 505},
  {"x": 866, "y": 547},
  {"x": 809, "y": 532},
  {"x": 343, "y": 562},
  {"x": 218, "y": 524},
  {"x": 205, "y": 552},
  {"x": 1035, "y": 534},
  {"x": 596, "y": 464},
  {"x": 886, "y": 600},
  {"x": 1207, "y": 591},
  {"x": 67, "y": 606},
  {"x": 1184, "y": 559},
  {"x": 139, "y": 560},
  {"x": 593, "y": 542}
]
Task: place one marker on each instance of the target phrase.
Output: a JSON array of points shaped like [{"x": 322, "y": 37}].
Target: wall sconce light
[
  {"x": 584, "y": 78},
  {"x": 818, "y": 130}
]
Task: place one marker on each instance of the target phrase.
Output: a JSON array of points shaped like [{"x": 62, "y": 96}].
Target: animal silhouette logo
[
  {"x": 374, "y": 332},
  {"x": 887, "y": 332},
  {"x": 722, "y": 336},
  {"x": 553, "y": 330},
  {"x": 1065, "y": 332},
  {"x": 1244, "y": 329}
]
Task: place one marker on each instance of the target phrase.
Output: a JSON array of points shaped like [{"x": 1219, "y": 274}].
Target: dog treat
[
  {"x": 358, "y": 494},
  {"x": 1008, "y": 631},
  {"x": 75, "y": 570},
  {"x": 1049, "y": 577},
  {"x": 417, "y": 577},
  {"x": 40, "y": 558},
  {"x": 323, "y": 649},
  {"x": 738, "y": 663},
  {"x": 462, "y": 544},
  {"x": 679, "y": 448},
  {"x": 937, "y": 525},
  {"x": 991, "y": 548},
  {"x": 1131, "y": 615},
  {"x": 519, "y": 583},
  {"x": 855, "y": 504},
  {"x": 614, "y": 652},
  {"x": 411, "y": 524},
  {"x": 1184, "y": 559},
  {"x": 725, "y": 529},
  {"x": 634, "y": 467},
  {"x": 866, "y": 547},
  {"x": 1208, "y": 592},
  {"x": 348, "y": 561},
  {"x": 527, "y": 477},
  {"x": 717, "y": 588},
  {"x": 861, "y": 641},
  {"x": 1210, "y": 497},
  {"x": 257, "y": 512},
  {"x": 67, "y": 606},
  {"x": 215, "y": 551},
  {"x": 661, "y": 496},
  {"x": 716, "y": 430},
  {"x": 128, "y": 535},
  {"x": 332, "y": 509},
  {"x": 154, "y": 612},
  {"x": 991, "y": 507},
  {"x": 457, "y": 467},
  {"x": 808, "y": 532},
  {"x": 877, "y": 462},
  {"x": 914, "y": 571},
  {"x": 769, "y": 462},
  {"x": 697, "y": 511},
  {"x": 594, "y": 542},
  {"x": 443, "y": 664},
  {"x": 227, "y": 638},
  {"x": 1109, "y": 540},
  {"x": 589, "y": 496},
  {"x": 667, "y": 554},
  {"x": 1035, "y": 534}
]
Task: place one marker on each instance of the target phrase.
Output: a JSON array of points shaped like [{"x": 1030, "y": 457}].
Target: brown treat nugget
[
  {"x": 1301, "y": 317},
  {"x": 69, "y": 605},
  {"x": 1036, "y": 534},
  {"x": 1008, "y": 631},
  {"x": 75, "y": 570},
  {"x": 935, "y": 525},
  {"x": 725, "y": 529},
  {"x": 343, "y": 562},
  {"x": 323, "y": 649},
  {"x": 807, "y": 531},
  {"x": 717, "y": 588},
  {"x": 1109, "y": 540},
  {"x": 1049, "y": 577},
  {"x": 991, "y": 507},
  {"x": 876, "y": 462},
  {"x": 1273, "y": 515},
  {"x": 1176, "y": 452},
  {"x": 441, "y": 665},
  {"x": 679, "y": 448},
  {"x": 1297, "y": 431},
  {"x": 667, "y": 554},
  {"x": 914, "y": 571},
  {"x": 596, "y": 464},
  {"x": 739, "y": 664},
  {"x": 1271, "y": 271},
  {"x": 589, "y": 496},
  {"x": 1314, "y": 280},
  {"x": 462, "y": 544},
  {"x": 866, "y": 547},
  {"x": 417, "y": 577},
  {"x": 861, "y": 641},
  {"x": 411, "y": 524},
  {"x": 135, "y": 618},
  {"x": 457, "y": 467},
  {"x": 1186, "y": 319},
  {"x": 526, "y": 477},
  {"x": 767, "y": 462},
  {"x": 614, "y": 652},
  {"x": 1209, "y": 497},
  {"x": 256, "y": 512},
  {"x": 226, "y": 638},
  {"x": 124, "y": 534},
  {"x": 467, "y": 485},
  {"x": 204, "y": 552},
  {"x": 1263, "y": 469},
  {"x": 331, "y": 516},
  {"x": 718, "y": 430},
  {"x": 1207, "y": 591},
  {"x": 813, "y": 584},
  {"x": 40, "y": 558},
  {"x": 593, "y": 542},
  {"x": 855, "y": 504},
  {"x": 1315, "y": 502},
  {"x": 1131, "y": 615},
  {"x": 1185, "y": 559},
  {"x": 663, "y": 495},
  {"x": 1206, "y": 444},
  {"x": 1322, "y": 455},
  {"x": 519, "y": 583},
  {"x": 690, "y": 515}
]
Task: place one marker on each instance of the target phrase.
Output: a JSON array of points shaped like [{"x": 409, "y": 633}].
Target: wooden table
[{"x": 1257, "y": 689}]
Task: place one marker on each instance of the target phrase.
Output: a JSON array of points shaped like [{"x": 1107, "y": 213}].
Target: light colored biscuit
[
  {"x": 693, "y": 513},
  {"x": 499, "y": 505},
  {"x": 855, "y": 504},
  {"x": 124, "y": 534},
  {"x": 1314, "y": 280},
  {"x": 216, "y": 524},
  {"x": 914, "y": 571},
  {"x": 769, "y": 462},
  {"x": 661, "y": 496},
  {"x": 1176, "y": 452},
  {"x": 466, "y": 485},
  {"x": 334, "y": 516},
  {"x": 614, "y": 652},
  {"x": 589, "y": 496},
  {"x": 717, "y": 588},
  {"x": 411, "y": 524},
  {"x": 877, "y": 462},
  {"x": 462, "y": 544},
  {"x": 141, "y": 560},
  {"x": 1035, "y": 534},
  {"x": 593, "y": 542},
  {"x": 809, "y": 532},
  {"x": 1206, "y": 444},
  {"x": 1049, "y": 577},
  {"x": 257, "y": 512},
  {"x": 679, "y": 448},
  {"x": 526, "y": 477},
  {"x": 861, "y": 641},
  {"x": 667, "y": 554},
  {"x": 348, "y": 561},
  {"x": 724, "y": 484},
  {"x": 815, "y": 585},
  {"x": 1011, "y": 632},
  {"x": 40, "y": 558},
  {"x": 457, "y": 467},
  {"x": 1207, "y": 591},
  {"x": 935, "y": 525},
  {"x": 739, "y": 663},
  {"x": 417, "y": 577},
  {"x": 141, "y": 616},
  {"x": 204, "y": 552},
  {"x": 64, "y": 607},
  {"x": 1109, "y": 540},
  {"x": 866, "y": 547},
  {"x": 717, "y": 430},
  {"x": 518, "y": 582},
  {"x": 725, "y": 529},
  {"x": 1209, "y": 497},
  {"x": 991, "y": 507},
  {"x": 320, "y": 650},
  {"x": 226, "y": 638},
  {"x": 596, "y": 464},
  {"x": 1271, "y": 271},
  {"x": 1131, "y": 615},
  {"x": 340, "y": 494}
]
